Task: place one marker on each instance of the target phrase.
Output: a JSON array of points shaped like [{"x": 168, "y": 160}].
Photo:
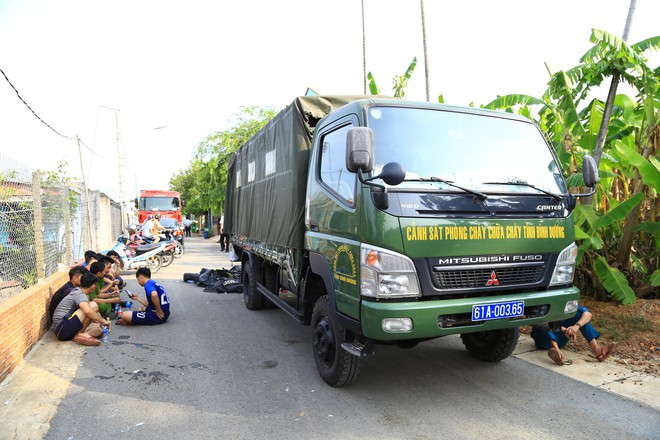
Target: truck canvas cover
[{"x": 267, "y": 176}]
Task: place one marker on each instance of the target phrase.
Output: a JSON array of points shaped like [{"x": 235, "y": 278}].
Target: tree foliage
[
  {"x": 202, "y": 185},
  {"x": 618, "y": 234},
  {"x": 399, "y": 82}
]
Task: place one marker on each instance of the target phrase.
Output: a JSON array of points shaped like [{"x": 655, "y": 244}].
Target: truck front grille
[{"x": 479, "y": 278}]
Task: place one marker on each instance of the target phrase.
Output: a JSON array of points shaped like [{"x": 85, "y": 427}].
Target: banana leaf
[
  {"x": 614, "y": 282},
  {"x": 561, "y": 89},
  {"x": 650, "y": 175},
  {"x": 618, "y": 213},
  {"x": 652, "y": 43},
  {"x": 373, "y": 88},
  {"x": 410, "y": 69},
  {"x": 508, "y": 101},
  {"x": 651, "y": 228},
  {"x": 655, "y": 278},
  {"x": 586, "y": 213}
]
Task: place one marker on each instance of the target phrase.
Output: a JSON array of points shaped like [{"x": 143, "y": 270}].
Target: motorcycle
[
  {"x": 168, "y": 254},
  {"x": 177, "y": 242},
  {"x": 147, "y": 255}
]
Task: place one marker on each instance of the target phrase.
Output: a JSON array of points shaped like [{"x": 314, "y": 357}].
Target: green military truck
[{"x": 380, "y": 220}]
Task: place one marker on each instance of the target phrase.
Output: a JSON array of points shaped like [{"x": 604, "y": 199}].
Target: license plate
[{"x": 485, "y": 312}]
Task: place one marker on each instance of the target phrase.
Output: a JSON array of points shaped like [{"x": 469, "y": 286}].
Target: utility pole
[
  {"x": 90, "y": 243},
  {"x": 121, "y": 165},
  {"x": 426, "y": 58},
  {"x": 364, "y": 53}
]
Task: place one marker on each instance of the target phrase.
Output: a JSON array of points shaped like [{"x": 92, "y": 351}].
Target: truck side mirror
[
  {"x": 589, "y": 171},
  {"x": 590, "y": 177},
  {"x": 360, "y": 149},
  {"x": 392, "y": 173}
]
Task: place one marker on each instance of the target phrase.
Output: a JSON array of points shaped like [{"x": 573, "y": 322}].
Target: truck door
[{"x": 332, "y": 209}]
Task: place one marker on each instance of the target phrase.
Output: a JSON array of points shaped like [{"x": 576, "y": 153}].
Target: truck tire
[
  {"x": 252, "y": 298},
  {"x": 491, "y": 346},
  {"x": 155, "y": 263},
  {"x": 335, "y": 365}
]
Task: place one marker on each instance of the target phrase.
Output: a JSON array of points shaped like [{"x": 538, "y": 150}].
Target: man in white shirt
[{"x": 148, "y": 226}]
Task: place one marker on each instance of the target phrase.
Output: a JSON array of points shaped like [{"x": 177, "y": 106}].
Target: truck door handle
[{"x": 313, "y": 225}]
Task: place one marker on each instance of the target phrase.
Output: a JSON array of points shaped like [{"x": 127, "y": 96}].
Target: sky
[{"x": 168, "y": 73}]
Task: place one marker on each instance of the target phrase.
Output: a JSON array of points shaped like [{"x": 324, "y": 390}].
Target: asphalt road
[{"x": 219, "y": 371}]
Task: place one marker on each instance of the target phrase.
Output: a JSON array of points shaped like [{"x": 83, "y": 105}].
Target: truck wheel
[
  {"x": 336, "y": 366},
  {"x": 252, "y": 298},
  {"x": 491, "y": 346},
  {"x": 155, "y": 263}
]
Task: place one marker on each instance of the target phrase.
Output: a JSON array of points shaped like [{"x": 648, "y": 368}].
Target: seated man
[
  {"x": 554, "y": 336},
  {"x": 90, "y": 257},
  {"x": 155, "y": 308},
  {"x": 74, "y": 281},
  {"x": 115, "y": 269},
  {"x": 104, "y": 294},
  {"x": 75, "y": 313}
]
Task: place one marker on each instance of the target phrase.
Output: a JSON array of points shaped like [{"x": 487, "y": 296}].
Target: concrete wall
[{"x": 24, "y": 320}]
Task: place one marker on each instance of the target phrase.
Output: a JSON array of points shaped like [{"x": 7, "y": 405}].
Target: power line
[{"x": 30, "y": 108}]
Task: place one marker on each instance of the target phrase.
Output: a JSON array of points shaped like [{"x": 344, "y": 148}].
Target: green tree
[
  {"x": 203, "y": 184},
  {"x": 619, "y": 234}
]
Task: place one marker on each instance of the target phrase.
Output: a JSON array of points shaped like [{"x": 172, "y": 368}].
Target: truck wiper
[
  {"x": 481, "y": 196},
  {"x": 528, "y": 185}
]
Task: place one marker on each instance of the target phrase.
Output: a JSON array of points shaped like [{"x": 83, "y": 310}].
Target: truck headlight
[
  {"x": 565, "y": 267},
  {"x": 386, "y": 274}
]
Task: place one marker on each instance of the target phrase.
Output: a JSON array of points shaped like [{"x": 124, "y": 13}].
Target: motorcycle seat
[{"x": 144, "y": 248}]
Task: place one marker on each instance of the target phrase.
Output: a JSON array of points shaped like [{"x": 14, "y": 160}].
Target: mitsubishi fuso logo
[{"x": 493, "y": 281}]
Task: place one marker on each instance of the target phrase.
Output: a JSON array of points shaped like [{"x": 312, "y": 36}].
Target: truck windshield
[
  {"x": 489, "y": 154},
  {"x": 159, "y": 203}
]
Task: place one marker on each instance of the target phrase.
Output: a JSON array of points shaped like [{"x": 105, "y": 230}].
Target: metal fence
[{"x": 46, "y": 225}]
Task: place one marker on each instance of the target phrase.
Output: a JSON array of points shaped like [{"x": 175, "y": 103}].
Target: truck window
[
  {"x": 333, "y": 165},
  {"x": 481, "y": 152}
]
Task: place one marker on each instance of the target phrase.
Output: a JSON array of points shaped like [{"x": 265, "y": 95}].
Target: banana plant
[
  {"x": 619, "y": 235},
  {"x": 399, "y": 82}
]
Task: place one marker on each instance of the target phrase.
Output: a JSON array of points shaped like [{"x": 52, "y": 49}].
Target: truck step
[
  {"x": 286, "y": 308},
  {"x": 359, "y": 349}
]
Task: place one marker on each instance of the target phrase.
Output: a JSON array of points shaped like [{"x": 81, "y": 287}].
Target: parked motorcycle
[
  {"x": 178, "y": 243},
  {"x": 147, "y": 255},
  {"x": 168, "y": 252}
]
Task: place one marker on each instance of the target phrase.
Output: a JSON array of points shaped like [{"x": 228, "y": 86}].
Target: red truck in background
[{"x": 165, "y": 203}]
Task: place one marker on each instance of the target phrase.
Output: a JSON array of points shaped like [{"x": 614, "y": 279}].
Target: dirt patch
[{"x": 635, "y": 328}]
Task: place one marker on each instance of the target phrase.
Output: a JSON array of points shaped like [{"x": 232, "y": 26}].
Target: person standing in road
[
  {"x": 224, "y": 241},
  {"x": 155, "y": 308},
  {"x": 187, "y": 224}
]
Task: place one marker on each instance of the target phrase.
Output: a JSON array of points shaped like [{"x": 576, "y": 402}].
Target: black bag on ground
[
  {"x": 194, "y": 277},
  {"x": 207, "y": 277},
  {"x": 226, "y": 285}
]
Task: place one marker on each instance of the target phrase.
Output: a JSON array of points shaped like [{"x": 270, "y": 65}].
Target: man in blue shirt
[
  {"x": 155, "y": 308},
  {"x": 556, "y": 335}
]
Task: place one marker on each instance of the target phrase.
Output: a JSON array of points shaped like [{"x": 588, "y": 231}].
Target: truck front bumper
[{"x": 431, "y": 319}]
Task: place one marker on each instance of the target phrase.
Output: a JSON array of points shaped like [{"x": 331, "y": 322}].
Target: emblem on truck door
[{"x": 493, "y": 281}]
